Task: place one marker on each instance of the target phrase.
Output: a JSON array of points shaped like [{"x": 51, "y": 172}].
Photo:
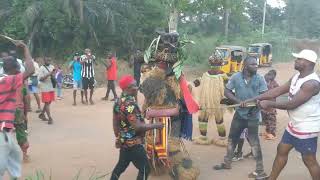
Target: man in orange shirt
[{"x": 111, "y": 75}]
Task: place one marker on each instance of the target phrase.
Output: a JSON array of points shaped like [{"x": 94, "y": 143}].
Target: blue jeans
[{"x": 59, "y": 91}]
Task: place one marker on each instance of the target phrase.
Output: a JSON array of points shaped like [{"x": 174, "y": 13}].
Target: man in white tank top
[{"x": 303, "y": 107}]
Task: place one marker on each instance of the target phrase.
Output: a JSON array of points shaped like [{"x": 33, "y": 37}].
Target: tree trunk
[
  {"x": 173, "y": 20},
  {"x": 81, "y": 11},
  {"x": 226, "y": 21}
]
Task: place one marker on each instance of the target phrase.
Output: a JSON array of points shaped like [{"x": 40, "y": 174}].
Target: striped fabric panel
[
  {"x": 88, "y": 69},
  {"x": 8, "y": 88}
]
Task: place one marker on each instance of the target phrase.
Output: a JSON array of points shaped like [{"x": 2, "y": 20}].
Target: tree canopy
[{"x": 61, "y": 27}]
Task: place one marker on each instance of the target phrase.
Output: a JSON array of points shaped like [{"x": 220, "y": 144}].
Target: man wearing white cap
[{"x": 303, "y": 107}]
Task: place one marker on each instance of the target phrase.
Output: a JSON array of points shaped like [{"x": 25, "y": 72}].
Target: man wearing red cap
[{"x": 129, "y": 128}]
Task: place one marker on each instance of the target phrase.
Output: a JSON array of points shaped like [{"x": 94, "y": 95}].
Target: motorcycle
[{"x": 67, "y": 81}]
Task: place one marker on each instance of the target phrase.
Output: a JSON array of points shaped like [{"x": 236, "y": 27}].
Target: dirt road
[{"x": 81, "y": 139}]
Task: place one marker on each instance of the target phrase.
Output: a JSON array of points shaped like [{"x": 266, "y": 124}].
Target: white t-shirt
[{"x": 45, "y": 85}]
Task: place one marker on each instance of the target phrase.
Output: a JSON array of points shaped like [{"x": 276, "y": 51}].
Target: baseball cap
[{"x": 307, "y": 55}]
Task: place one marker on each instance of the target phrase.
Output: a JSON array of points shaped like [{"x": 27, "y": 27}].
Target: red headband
[{"x": 125, "y": 81}]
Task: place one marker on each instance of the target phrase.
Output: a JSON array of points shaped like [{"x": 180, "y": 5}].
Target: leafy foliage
[{"x": 61, "y": 27}]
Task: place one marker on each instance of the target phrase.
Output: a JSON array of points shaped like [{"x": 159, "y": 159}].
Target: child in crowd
[
  {"x": 269, "y": 117},
  {"x": 59, "y": 78}
]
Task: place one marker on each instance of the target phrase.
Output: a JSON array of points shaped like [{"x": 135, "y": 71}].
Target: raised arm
[{"x": 28, "y": 60}]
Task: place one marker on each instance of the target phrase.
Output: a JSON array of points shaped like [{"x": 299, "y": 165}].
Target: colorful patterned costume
[
  {"x": 162, "y": 86},
  {"x": 20, "y": 124},
  {"x": 124, "y": 109},
  {"x": 210, "y": 96}
]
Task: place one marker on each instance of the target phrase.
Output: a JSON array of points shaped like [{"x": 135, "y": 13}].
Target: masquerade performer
[
  {"x": 161, "y": 85},
  {"x": 211, "y": 93}
]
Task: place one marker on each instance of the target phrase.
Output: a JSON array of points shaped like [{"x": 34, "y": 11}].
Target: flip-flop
[{"x": 221, "y": 166}]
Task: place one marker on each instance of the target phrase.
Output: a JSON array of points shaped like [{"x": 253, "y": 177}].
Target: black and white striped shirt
[{"x": 87, "y": 70}]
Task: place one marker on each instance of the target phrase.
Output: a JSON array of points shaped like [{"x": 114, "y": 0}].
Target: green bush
[{"x": 199, "y": 52}]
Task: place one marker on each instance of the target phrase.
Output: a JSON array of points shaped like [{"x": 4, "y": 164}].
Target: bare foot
[
  {"x": 26, "y": 158},
  {"x": 74, "y": 104}
]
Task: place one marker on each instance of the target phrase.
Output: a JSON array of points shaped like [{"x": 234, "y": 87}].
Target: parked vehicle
[
  {"x": 263, "y": 53},
  {"x": 233, "y": 57}
]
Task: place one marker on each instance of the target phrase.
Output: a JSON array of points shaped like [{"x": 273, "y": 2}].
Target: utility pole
[{"x": 264, "y": 17}]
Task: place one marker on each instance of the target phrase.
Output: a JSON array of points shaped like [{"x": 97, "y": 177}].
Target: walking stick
[
  {"x": 229, "y": 106},
  {"x": 15, "y": 42}
]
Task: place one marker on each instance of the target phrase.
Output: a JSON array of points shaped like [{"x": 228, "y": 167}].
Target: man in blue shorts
[
  {"x": 303, "y": 107},
  {"x": 33, "y": 84},
  {"x": 76, "y": 66}
]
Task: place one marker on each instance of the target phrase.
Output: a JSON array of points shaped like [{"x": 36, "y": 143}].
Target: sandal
[
  {"x": 91, "y": 102},
  {"x": 256, "y": 176},
  {"x": 50, "y": 121},
  {"x": 221, "y": 166},
  {"x": 104, "y": 99},
  {"x": 42, "y": 117},
  {"x": 250, "y": 154}
]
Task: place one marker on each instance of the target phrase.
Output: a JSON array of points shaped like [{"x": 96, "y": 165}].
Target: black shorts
[{"x": 87, "y": 83}]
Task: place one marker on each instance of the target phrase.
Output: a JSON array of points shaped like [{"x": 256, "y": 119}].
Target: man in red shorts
[{"x": 46, "y": 73}]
